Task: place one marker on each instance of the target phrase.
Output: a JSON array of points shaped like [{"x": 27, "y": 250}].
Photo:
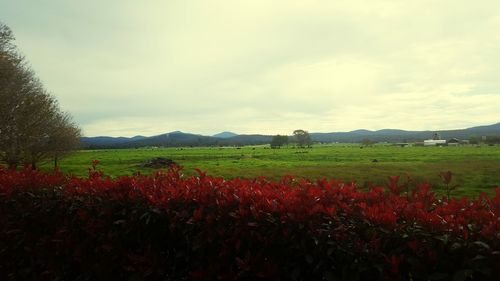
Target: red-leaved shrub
[{"x": 170, "y": 227}]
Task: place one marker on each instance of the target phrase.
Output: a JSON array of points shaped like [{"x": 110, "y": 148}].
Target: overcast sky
[{"x": 124, "y": 68}]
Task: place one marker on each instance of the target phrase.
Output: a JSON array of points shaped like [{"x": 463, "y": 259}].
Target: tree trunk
[
  {"x": 12, "y": 166},
  {"x": 12, "y": 160}
]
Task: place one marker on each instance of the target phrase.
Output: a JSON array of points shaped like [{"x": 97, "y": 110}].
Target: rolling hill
[
  {"x": 178, "y": 138},
  {"x": 225, "y": 135},
  {"x": 392, "y": 135}
]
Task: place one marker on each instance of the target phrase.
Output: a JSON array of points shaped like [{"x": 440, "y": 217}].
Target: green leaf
[
  {"x": 119, "y": 222},
  {"x": 478, "y": 258},
  {"x": 455, "y": 246},
  {"x": 482, "y": 244}
]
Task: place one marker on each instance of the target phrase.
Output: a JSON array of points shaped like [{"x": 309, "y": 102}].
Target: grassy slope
[{"x": 476, "y": 169}]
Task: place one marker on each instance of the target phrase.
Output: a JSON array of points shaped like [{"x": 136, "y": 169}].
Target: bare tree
[
  {"x": 62, "y": 137},
  {"x": 30, "y": 119},
  {"x": 16, "y": 89}
]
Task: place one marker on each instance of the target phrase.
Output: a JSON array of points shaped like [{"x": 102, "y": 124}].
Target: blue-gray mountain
[
  {"x": 178, "y": 138},
  {"x": 225, "y": 135}
]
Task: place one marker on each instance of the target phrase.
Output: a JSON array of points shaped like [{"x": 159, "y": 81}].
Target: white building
[{"x": 434, "y": 142}]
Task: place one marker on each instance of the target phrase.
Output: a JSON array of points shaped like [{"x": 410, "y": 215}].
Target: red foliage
[
  {"x": 446, "y": 177},
  {"x": 237, "y": 229}
]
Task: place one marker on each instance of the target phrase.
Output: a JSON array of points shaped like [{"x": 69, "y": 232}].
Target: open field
[{"x": 475, "y": 168}]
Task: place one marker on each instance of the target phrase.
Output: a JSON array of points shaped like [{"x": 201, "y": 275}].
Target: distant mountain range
[
  {"x": 392, "y": 135},
  {"x": 178, "y": 138}
]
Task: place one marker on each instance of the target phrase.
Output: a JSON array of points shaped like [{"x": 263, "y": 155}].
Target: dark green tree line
[{"x": 278, "y": 141}]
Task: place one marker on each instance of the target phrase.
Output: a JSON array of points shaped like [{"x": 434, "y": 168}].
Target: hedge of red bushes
[{"x": 170, "y": 227}]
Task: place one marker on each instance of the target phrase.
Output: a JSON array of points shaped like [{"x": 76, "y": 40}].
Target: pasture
[{"x": 475, "y": 169}]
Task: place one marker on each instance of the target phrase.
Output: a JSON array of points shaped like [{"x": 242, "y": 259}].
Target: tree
[
  {"x": 278, "y": 141},
  {"x": 62, "y": 138},
  {"x": 32, "y": 126},
  {"x": 302, "y": 138},
  {"x": 367, "y": 142},
  {"x": 6, "y": 38}
]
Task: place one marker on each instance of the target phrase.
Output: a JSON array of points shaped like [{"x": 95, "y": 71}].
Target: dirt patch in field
[{"x": 158, "y": 163}]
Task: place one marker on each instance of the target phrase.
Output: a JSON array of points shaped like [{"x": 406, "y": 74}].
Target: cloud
[{"x": 128, "y": 68}]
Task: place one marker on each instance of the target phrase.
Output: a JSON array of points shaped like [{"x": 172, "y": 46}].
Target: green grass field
[{"x": 475, "y": 168}]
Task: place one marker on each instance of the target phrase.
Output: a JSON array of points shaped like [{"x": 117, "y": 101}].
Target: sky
[{"x": 127, "y": 67}]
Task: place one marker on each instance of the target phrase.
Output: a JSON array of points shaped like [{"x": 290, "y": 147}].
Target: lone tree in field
[
  {"x": 32, "y": 127},
  {"x": 278, "y": 141},
  {"x": 302, "y": 138}
]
